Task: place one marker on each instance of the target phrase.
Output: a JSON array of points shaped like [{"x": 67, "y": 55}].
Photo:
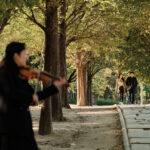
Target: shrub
[
  {"x": 72, "y": 101},
  {"x": 107, "y": 102}
]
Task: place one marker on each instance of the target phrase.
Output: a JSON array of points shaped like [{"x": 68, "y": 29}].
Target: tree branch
[
  {"x": 75, "y": 38},
  {"x": 72, "y": 12},
  {"x": 5, "y": 21},
  {"x": 75, "y": 13},
  {"x": 72, "y": 76},
  {"x": 33, "y": 19}
]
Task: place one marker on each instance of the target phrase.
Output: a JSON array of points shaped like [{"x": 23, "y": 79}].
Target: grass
[
  {"x": 100, "y": 102},
  {"x": 72, "y": 101},
  {"x": 107, "y": 102}
]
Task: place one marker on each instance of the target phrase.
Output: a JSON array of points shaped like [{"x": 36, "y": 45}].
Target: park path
[
  {"x": 85, "y": 128},
  {"x": 137, "y": 124}
]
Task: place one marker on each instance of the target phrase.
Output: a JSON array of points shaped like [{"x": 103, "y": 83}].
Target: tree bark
[
  {"x": 62, "y": 58},
  {"x": 50, "y": 65},
  {"x": 89, "y": 92},
  {"x": 57, "y": 114},
  {"x": 89, "y": 85},
  {"x": 81, "y": 81},
  {"x": 45, "y": 126}
]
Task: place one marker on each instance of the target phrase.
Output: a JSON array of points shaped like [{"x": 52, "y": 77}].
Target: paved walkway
[{"x": 137, "y": 122}]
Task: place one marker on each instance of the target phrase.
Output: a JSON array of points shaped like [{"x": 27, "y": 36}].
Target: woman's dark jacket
[{"x": 15, "y": 98}]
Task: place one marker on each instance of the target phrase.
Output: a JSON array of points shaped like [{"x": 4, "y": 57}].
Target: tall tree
[
  {"x": 93, "y": 29},
  {"x": 62, "y": 46},
  {"x": 51, "y": 54}
]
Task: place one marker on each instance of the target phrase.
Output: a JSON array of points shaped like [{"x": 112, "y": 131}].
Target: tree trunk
[
  {"x": 89, "y": 85},
  {"x": 50, "y": 65},
  {"x": 81, "y": 81},
  {"x": 45, "y": 126},
  {"x": 89, "y": 92},
  {"x": 62, "y": 46},
  {"x": 57, "y": 114}
]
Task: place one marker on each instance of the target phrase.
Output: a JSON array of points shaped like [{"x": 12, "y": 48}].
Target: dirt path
[{"x": 90, "y": 128}]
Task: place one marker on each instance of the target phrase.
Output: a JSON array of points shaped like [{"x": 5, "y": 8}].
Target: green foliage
[
  {"x": 72, "y": 101},
  {"x": 108, "y": 93},
  {"x": 9, "y": 8},
  {"x": 107, "y": 102},
  {"x": 103, "y": 79},
  {"x": 24, "y": 31},
  {"x": 134, "y": 54}
]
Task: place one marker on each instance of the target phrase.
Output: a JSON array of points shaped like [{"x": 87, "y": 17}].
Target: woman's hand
[
  {"x": 59, "y": 83},
  {"x": 35, "y": 99}
]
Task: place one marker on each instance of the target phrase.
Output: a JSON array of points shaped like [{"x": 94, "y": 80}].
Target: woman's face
[{"x": 20, "y": 59}]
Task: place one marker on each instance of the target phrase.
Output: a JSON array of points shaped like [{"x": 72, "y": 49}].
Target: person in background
[
  {"x": 16, "y": 95},
  {"x": 120, "y": 88},
  {"x": 132, "y": 83}
]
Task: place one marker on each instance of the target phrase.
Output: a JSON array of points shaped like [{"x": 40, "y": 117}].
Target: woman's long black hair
[
  {"x": 13, "y": 47},
  {"x": 119, "y": 77},
  {"x": 8, "y": 60}
]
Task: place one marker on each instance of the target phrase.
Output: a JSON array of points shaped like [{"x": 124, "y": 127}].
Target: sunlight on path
[{"x": 86, "y": 128}]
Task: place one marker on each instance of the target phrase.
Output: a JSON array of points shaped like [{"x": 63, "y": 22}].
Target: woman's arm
[
  {"x": 53, "y": 89},
  {"x": 46, "y": 92}
]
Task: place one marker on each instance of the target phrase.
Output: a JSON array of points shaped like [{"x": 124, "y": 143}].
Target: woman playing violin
[{"x": 15, "y": 97}]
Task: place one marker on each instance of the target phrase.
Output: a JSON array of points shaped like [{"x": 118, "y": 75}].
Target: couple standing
[{"x": 130, "y": 85}]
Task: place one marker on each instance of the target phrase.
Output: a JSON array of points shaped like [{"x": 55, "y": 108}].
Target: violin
[{"x": 28, "y": 73}]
